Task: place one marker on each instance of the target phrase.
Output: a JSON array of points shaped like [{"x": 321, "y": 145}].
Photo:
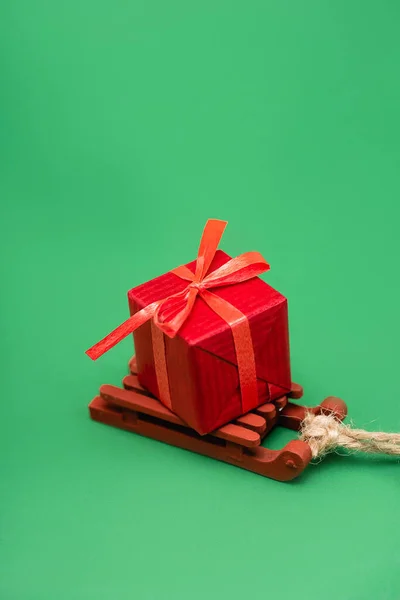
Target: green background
[{"x": 124, "y": 126}]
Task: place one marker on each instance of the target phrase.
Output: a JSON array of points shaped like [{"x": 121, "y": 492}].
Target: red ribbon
[{"x": 170, "y": 313}]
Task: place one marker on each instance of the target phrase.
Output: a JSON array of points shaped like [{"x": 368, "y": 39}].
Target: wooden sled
[{"x": 238, "y": 443}]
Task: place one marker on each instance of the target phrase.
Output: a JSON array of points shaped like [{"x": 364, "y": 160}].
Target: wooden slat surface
[
  {"x": 268, "y": 411},
  {"x": 131, "y": 382},
  {"x": 296, "y": 392},
  {"x": 138, "y": 402},
  {"x": 281, "y": 402},
  {"x": 238, "y": 435},
  {"x": 145, "y": 404},
  {"x": 252, "y": 421}
]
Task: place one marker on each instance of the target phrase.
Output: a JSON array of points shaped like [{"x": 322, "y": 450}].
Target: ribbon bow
[{"x": 170, "y": 313}]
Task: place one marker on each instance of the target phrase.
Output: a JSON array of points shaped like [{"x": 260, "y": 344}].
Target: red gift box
[{"x": 210, "y": 357}]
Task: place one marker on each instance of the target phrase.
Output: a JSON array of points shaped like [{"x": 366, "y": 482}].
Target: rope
[{"x": 325, "y": 433}]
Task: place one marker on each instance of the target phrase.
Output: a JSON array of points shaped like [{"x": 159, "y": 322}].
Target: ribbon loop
[
  {"x": 173, "y": 311},
  {"x": 209, "y": 242},
  {"x": 242, "y": 268}
]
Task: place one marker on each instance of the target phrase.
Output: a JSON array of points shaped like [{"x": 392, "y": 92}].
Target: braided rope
[{"x": 325, "y": 433}]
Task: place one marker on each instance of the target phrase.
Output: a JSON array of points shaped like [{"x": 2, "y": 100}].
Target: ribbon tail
[
  {"x": 210, "y": 239},
  {"x": 244, "y": 348},
  {"x": 174, "y": 311},
  {"x": 208, "y": 246},
  {"x": 129, "y": 326},
  {"x": 160, "y": 364}
]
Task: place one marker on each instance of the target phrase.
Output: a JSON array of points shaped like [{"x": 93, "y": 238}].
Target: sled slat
[{"x": 150, "y": 406}]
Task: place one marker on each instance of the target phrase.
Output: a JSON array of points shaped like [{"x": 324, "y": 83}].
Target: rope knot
[
  {"x": 322, "y": 433},
  {"x": 325, "y": 433}
]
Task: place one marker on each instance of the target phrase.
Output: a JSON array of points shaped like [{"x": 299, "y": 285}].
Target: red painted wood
[
  {"x": 293, "y": 414},
  {"x": 150, "y": 406},
  {"x": 296, "y": 391},
  {"x": 252, "y": 421},
  {"x": 237, "y": 444},
  {"x": 283, "y": 465},
  {"x": 235, "y": 433},
  {"x": 138, "y": 402},
  {"x": 268, "y": 411},
  {"x": 131, "y": 382},
  {"x": 281, "y": 402}
]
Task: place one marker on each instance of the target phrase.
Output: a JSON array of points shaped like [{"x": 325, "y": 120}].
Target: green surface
[{"x": 124, "y": 125}]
